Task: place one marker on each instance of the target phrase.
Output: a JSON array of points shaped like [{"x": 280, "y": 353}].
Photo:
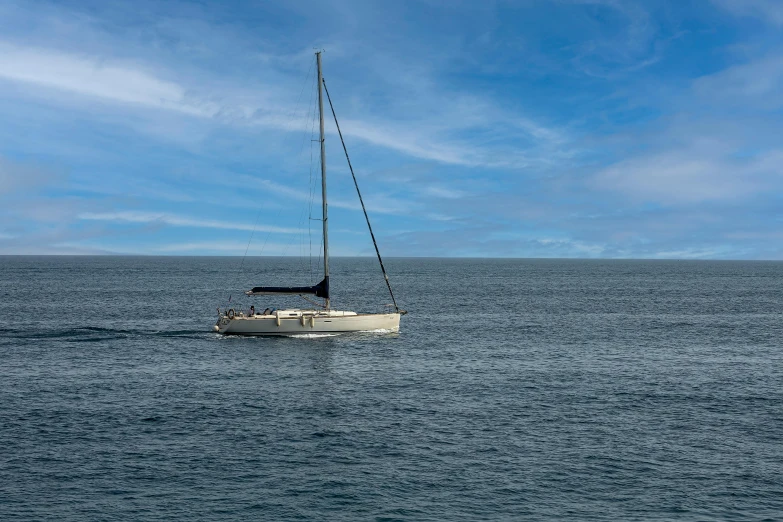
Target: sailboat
[{"x": 314, "y": 321}]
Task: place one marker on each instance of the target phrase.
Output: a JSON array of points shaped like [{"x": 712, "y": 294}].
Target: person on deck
[{"x": 252, "y": 310}]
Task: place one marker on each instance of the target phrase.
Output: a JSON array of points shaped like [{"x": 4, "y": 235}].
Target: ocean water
[{"x": 516, "y": 389}]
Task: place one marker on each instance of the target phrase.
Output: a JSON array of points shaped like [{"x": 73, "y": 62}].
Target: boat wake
[
  {"x": 379, "y": 331},
  {"x": 91, "y": 334},
  {"x": 312, "y": 335}
]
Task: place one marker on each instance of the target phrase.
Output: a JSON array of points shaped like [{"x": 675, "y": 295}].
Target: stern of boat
[{"x": 221, "y": 324}]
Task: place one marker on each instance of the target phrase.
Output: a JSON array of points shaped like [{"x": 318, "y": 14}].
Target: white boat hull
[{"x": 297, "y": 322}]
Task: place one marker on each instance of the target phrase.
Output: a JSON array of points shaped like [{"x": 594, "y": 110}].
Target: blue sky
[{"x": 559, "y": 128}]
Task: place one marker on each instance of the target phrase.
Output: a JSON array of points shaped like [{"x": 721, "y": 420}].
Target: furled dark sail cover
[{"x": 319, "y": 290}]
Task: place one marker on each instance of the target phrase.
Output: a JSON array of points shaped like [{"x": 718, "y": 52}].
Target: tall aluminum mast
[{"x": 323, "y": 174}]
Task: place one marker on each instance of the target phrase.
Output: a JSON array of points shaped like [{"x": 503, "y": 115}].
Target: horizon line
[{"x": 403, "y": 257}]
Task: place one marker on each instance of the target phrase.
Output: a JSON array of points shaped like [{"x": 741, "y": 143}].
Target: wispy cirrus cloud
[
  {"x": 715, "y": 148},
  {"x": 230, "y": 247},
  {"x": 15, "y": 176},
  {"x": 381, "y": 204},
  {"x": 692, "y": 176},
  {"x": 95, "y": 77},
  {"x": 623, "y": 48},
  {"x": 752, "y": 85},
  {"x": 128, "y": 83},
  {"x": 767, "y": 10},
  {"x": 142, "y": 217}
]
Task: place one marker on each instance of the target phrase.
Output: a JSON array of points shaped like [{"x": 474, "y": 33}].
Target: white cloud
[
  {"x": 181, "y": 221},
  {"x": 20, "y": 177},
  {"x": 413, "y": 144},
  {"x": 238, "y": 248},
  {"x": 750, "y": 85},
  {"x": 437, "y": 216},
  {"x": 234, "y": 247},
  {"x": 128, "y": 83},
  {"x": 438, "y": 191},
  {"x": 691, "y": 176},
  {"x": 63, "y": 249},
  {"x": 375, "y": 204},
  {"x": 91, "y": 76},
  {"x": 688, "y": 253},
  {"x": 720, "y": 147},
  {"x": 611, "y": 50},
  {"x": 770, "y": 11}
]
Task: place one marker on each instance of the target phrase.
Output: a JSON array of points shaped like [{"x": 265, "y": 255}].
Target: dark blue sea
[{"x": 515, "y": 390}]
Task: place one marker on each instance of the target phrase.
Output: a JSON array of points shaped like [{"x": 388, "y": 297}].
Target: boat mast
[{"x": 323, "y": 173}]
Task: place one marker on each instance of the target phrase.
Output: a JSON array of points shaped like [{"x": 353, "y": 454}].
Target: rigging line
[
  {"x": 311, "y": 182},
  {"x": 309, "y": 104},
  {"x": 310, "y": 203},
  {"x": 239, "y": 270},
  {"x": 311, "y": 301},
  {"x": 269, "y": 234},
  {"x": 287, "y": 129},
  {"x": 307, "y": 210},
  {"x": 366, "y": 217},
  {"x": 311, "y": 110}
]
